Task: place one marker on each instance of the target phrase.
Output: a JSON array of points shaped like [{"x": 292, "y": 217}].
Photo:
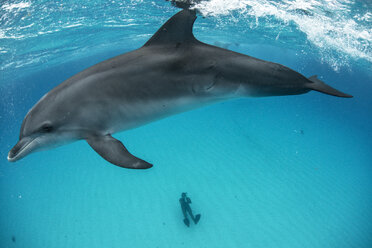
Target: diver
[{"x": 185, "y": 201}]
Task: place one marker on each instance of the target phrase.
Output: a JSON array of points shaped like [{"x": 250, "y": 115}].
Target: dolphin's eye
[{"x": 46, "y": 128}]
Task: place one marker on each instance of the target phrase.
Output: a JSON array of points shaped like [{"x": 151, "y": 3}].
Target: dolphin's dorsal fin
[{"x": 177, "y": 30}]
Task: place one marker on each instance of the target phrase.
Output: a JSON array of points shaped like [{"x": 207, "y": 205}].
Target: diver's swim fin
[
  {"x": 187, "y": 222},
  {"x": 197, "y": 218}
]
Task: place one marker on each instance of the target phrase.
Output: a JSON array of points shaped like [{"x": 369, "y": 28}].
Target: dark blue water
[{"x": 290, "y": 171}]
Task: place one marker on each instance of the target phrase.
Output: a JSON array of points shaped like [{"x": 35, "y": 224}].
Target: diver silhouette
[{"x": 185, "y": 206}]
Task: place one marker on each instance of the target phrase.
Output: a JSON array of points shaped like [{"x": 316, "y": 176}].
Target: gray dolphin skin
[{"x": 172, "y": 73}]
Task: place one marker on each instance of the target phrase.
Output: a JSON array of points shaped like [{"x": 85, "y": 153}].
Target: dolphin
[{"x": 171, "y": 73}]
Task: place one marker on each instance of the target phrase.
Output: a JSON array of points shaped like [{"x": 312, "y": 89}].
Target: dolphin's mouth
[{"x": 21, "y": 149}]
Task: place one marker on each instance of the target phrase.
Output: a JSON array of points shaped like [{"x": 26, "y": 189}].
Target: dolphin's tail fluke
[{"x": 320, "y": 86}]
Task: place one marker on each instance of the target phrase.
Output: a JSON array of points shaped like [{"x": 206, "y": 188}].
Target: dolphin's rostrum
[{"x": 172, "y": 73}]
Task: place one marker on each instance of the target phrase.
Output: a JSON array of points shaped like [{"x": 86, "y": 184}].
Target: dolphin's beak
[{"x": 21, "y": 149}]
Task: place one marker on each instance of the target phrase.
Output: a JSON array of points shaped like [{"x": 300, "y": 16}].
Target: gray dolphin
[{"x": 172, "y": 73}]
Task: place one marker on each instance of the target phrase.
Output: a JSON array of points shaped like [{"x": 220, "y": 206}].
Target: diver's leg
[
  {"x": 195, "y": 218},
  {"x": 189, "y": 211},
  {"x": 185, "y": 220}
]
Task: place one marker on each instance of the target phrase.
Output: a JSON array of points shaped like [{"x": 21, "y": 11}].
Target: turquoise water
[{"x": 291, "y": 171}]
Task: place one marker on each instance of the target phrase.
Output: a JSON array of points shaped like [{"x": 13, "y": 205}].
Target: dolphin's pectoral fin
[{"x": 115, "y": 152}]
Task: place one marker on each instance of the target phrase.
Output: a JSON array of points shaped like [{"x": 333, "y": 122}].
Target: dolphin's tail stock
[{"x": 320, "y": 86}]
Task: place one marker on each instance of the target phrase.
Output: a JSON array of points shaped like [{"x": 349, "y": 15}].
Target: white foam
[
  {"x": 327, "y": 24},
  {"x": 20, "y": 5},
  {"x": 121, "y": 25},
  {"x": 73, "y": 25}
]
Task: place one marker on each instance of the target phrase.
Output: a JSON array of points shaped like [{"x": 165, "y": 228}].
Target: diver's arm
[{"x": 188, "y": 200}]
